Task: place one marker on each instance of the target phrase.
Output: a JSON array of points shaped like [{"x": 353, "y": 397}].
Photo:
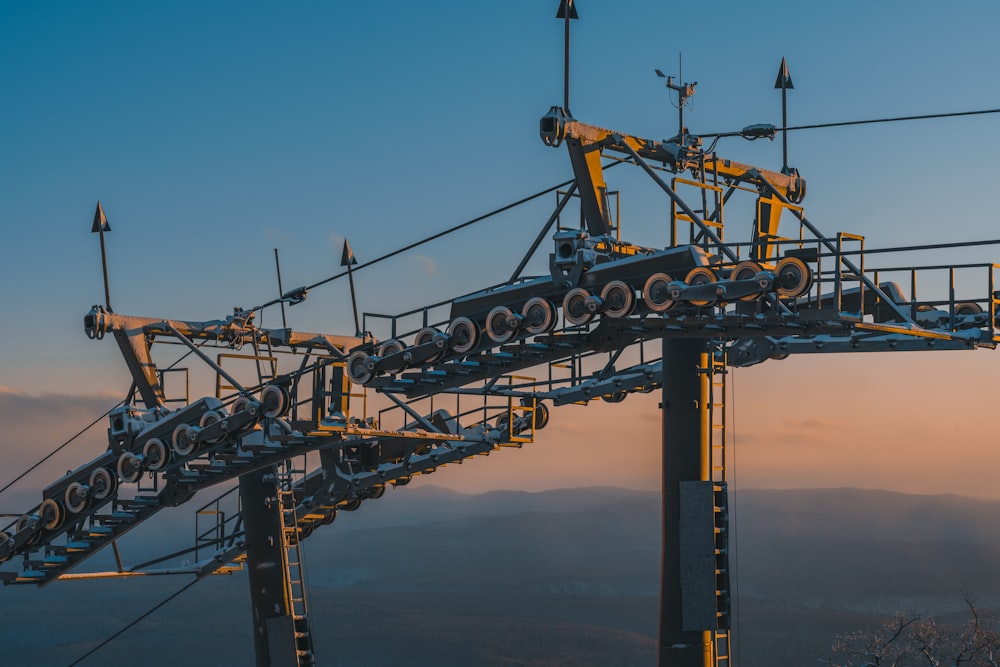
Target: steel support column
[
  {"x": 273, "y": 624},
  {"x": 686, "y": 458}
]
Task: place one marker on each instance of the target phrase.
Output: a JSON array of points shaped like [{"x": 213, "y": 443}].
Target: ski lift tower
[
  {"x": 747, "y": 302},
  {"x": 706, "y": 301}
]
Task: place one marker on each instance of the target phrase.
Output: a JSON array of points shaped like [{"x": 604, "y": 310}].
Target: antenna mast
[{"x": 684, "y": 91}]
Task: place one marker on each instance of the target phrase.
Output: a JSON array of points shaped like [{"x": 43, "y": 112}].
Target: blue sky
[{"x": 215, "y": 132}]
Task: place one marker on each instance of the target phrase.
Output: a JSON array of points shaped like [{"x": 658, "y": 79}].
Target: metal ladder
[
  {"x": 717, "y": 420},
  {"x": 717, "y": 412},
  {"x": 295, "y": 591}
]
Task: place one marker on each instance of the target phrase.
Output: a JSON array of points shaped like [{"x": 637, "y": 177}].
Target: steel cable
[
  {"x": 869, "y": 121},
  {"x": 134, "y": 622},
  {"x": 62, "y": 446},
  {"x": 89, "y": 426},
  {"x": 440, "y": 234}
]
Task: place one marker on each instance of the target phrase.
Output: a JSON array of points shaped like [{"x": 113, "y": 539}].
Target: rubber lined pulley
[
  {"x": 29, "y": 523},
  {"x": 103, "y": 483},
  {"x": 656, "y": 293},
  {"x": 463, "y": 335},
  {"x": 358, "y": 368},
  {"x": 391, "y": 346},
  {"x": 539, "y": 316},
  {"x": 792, "y": 277},
  {"x": 242, "y": 404},
  {"x": 76, "y": 497},
  {"x": 747, "y": 271},
  {"x": 541, "y": 416},
  {"x": 184, "y": 439},
  {"x": 968, "y": 308},
  {"x": 499, "y": 323},
  {"x": 155, "y": 454},
  {"x": 575, "y": 310},
  {"x": 274, "y": 401},
  {"x": 701, "y": 275},
  {"x": 51, "y": 514},
  {"x": 129, "y": 467},
  {"x": 351, "y": 505},
  {"x": 430, "y": 334},
  {"x": 213, "y": 417},
  {"x": 619, "y": 299}
]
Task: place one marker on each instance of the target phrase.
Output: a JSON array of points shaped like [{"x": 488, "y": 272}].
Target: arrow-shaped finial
[
  {"x": 567, "y": 11},
  {"x": 784, "y": 83},
  {"x": 564, "y": 6},
  {"x": 100, "y": 220},
  {"x": 99, "y": 227},
  {"x": 347, "y": 257},
  {"x": 784, "y": 80}
]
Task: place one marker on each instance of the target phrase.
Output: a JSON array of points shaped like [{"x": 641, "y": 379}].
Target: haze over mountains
[{"x": 427, "y": 576}]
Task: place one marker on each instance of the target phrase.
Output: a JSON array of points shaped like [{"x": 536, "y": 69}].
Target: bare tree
[
  {"x": 912, "y": 641},
  {"x": 884, "y": 646}
]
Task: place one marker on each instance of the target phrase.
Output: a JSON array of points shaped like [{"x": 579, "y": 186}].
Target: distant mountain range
[
  {"x": 563, "y": 577},
  {"x": 833, "y": 514},
  {"x": 856, "y": 514}
]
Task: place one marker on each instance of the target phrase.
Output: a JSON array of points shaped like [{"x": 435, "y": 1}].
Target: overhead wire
[
  {"x": 870, "y": 121},
  {"x": 893, "y": 119},
  {"x": 434, "y": 237},
  {"x": 109, "y": 639},
  {"x": 524, "y": 200},
  {"x": 923, "y": 246},
  {"x": 62, "y": 446},
  {"x": 82, "y": 431}
]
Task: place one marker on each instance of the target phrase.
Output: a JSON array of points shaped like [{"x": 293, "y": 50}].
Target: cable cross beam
[
  {"x": 810, "y": 292},
  {"x": 87, "y": 530},
  {"x": 753, "y": 351},
  {"x": 617, "y": 334},
  {"x": 318, "y": 499},
  {"x": 318, "y": 503}
]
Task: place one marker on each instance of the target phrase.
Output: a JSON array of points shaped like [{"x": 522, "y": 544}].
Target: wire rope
[
  {"x": 734, "y": 524},
  {"x": 894, "y": 119},
  {"x": 450, "y": 230},
  {"x": 62, "y": 446},
  {"x": 434, "y": 237},
  {"x": 132, "y": 623},
  {"x": 82, "y": 431},
  {"x": 869, "y": 121}
]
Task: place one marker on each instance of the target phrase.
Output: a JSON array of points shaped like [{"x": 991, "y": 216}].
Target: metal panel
[
  {"x": 697, "y": 555},
  {"x": 281, "y": 641}
]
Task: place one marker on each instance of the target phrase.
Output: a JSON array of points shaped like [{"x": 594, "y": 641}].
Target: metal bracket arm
[
  {"x": 675, "y": 156},
  {"x": 868, "y": 282}
]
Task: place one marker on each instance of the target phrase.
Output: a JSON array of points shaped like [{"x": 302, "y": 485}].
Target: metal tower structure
[{"x": 449, "y": 381}]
